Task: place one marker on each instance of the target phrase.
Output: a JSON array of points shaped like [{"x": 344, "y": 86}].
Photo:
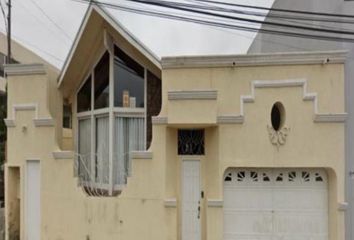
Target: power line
[
  {"x": 51, "y": 20},
  {"x": 278, "y": 9},
  {"x": 36, "y": 47},
  {"x": 41, "y": 21},
  {"x": 270, "y": 14},
  {"x": 219, "y": 24},
  {"x": 177, "y": 6}
]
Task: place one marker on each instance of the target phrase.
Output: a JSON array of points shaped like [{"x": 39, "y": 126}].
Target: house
[
  {"x": 264, "y": 43},
  {"x": 186, "y": 147}
]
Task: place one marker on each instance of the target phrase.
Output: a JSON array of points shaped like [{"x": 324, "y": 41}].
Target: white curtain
[
  {"x": 102, "y": 150},
  {"x": 84, "y": 157},
  {"x": 129, "y": 135}
]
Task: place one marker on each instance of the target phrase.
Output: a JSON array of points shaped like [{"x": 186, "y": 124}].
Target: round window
[{"x": 277, "y": 116}]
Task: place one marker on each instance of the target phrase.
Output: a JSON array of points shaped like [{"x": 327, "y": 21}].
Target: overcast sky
[{"x": 48, "y": 27}]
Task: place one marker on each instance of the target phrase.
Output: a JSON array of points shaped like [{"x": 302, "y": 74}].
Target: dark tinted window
[
  {"x": 102, "y": 82},
  {"x": 84, "y": 97},
  {"x": 191, "y": 142},
  {"x": 128, "y": 81}
]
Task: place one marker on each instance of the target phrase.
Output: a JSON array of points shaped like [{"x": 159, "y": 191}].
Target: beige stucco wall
[
  {"x": 140, "y": 211},
  {"x": 309, "y": 144}
]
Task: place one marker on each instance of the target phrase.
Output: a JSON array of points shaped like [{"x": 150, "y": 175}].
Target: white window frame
[{"x": 112, "y": 112}]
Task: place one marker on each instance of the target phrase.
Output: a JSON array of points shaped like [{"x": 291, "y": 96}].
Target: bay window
[{"x": 111, "y": 114}]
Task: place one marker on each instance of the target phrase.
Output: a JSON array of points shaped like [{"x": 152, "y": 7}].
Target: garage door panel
[
  {"x": 275, "y": 204},
  {"x": 300, "y": 198},
  {"x": 262, "y": 198},
  {"x": 248, "y": 222},
  {"x": 299, "y": 222}
]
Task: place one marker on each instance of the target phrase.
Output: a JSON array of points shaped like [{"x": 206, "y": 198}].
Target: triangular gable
[{"x": 116, "y": 25}]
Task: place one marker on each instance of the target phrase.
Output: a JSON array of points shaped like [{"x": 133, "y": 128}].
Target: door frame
[{"x": 190, "y": 158}]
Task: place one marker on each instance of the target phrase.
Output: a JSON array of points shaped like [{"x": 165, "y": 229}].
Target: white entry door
[
  {"x": 282, "y": 204},
  {"x": 191, "y": 200},
  {"x": 32, "y": 206}
]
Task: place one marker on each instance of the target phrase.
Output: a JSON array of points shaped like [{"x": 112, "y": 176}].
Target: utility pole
[{"x": 9, "y": 32}]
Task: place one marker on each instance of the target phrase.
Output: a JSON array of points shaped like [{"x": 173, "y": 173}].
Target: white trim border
[
  {"x": 63, "y": 155},
  {"x": 215, "y": 203},
  {"x": 306, "y": 96},
  {"x": 170, "y": 203},
  {"x": 159, "y": 120},
  {"x": 38, "y": 122},
  {"x": 192, "y": 95},
  {"x": 264, "y": 59},
  {"x": 24, "y": 69}
]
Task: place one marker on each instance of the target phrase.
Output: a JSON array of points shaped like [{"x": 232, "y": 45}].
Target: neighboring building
[
  {"x": 264, "y": 43},
  {"x": 203, "y": 147},
  {"x": 19, "y": 54}
]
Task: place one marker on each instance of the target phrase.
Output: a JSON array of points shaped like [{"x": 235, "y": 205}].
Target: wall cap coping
[
  {"x": 263, "y": 59},
  {"x": 208, "y": 94},
  {"x": 141, "y": 155},
  {"x": 342, "y": 206},
  {"x": 170, "y": 203},
  {"x": 24, "y": 69},
  {"x": 330, "y": 118},
  {"x": 9, "y": 122},
  {"x": 63, "y": 155},
  {"x": 215, "y": 203},
  {"x": 230, "y": 119},
  {"x": 159, "y": 120}
]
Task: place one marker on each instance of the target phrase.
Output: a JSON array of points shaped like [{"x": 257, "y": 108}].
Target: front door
[
  {"x": 32, "y": 222},
  {"x": 191, "y": 200}
]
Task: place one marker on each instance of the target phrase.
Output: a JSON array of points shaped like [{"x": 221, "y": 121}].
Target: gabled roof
[{"x": 117, "y": 26}]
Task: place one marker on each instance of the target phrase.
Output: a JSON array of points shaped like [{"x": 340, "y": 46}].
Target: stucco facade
[{"x": 230, "y": 97}]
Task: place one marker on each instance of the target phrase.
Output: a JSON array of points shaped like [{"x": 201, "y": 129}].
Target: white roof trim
[
  {"x": 118, "y": 27},
  {"x": 291, "y": 58}
]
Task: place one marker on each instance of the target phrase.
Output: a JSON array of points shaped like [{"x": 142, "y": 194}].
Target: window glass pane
[
  {"x": 102, "y": 150},
  {"x": 129, "y": 135},
  {"x": 84, "y": 97},
  {"x": 128, "y": 81},
  {"x": 84, "y": 157},
  {"x": 102, "y": 82}
]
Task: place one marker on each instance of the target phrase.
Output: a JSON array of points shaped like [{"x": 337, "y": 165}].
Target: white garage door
[{"x": 280, "y": 204}]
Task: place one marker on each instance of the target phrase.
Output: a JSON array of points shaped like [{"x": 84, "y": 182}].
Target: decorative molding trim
[
  {"x": 192, "y": 95},
  {"x": 24, "y": 69},
  {"x": 230, "y": 119},
  {"x": 342, "y": 206},
  {"x": 215, "y": 203},
  {"x": 38, "y": 122},
  {"x": 306, "y": 96},
  {"x": 63, "y": 155},
  {"x": 43, "y": 122},
  {"x": 159, "y": 120},
  {"x": 330, "y": 118},
  {"x": 141, "y": 155},
  {"x": 9, "y": 122},
  {"x": 278, "y": 138},
  {"x": 170, "y": 203},
  {"x": 264, "y": 59}
]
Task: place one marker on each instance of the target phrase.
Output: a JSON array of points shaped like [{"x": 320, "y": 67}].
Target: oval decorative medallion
[{"x": 277, "y": 131}]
